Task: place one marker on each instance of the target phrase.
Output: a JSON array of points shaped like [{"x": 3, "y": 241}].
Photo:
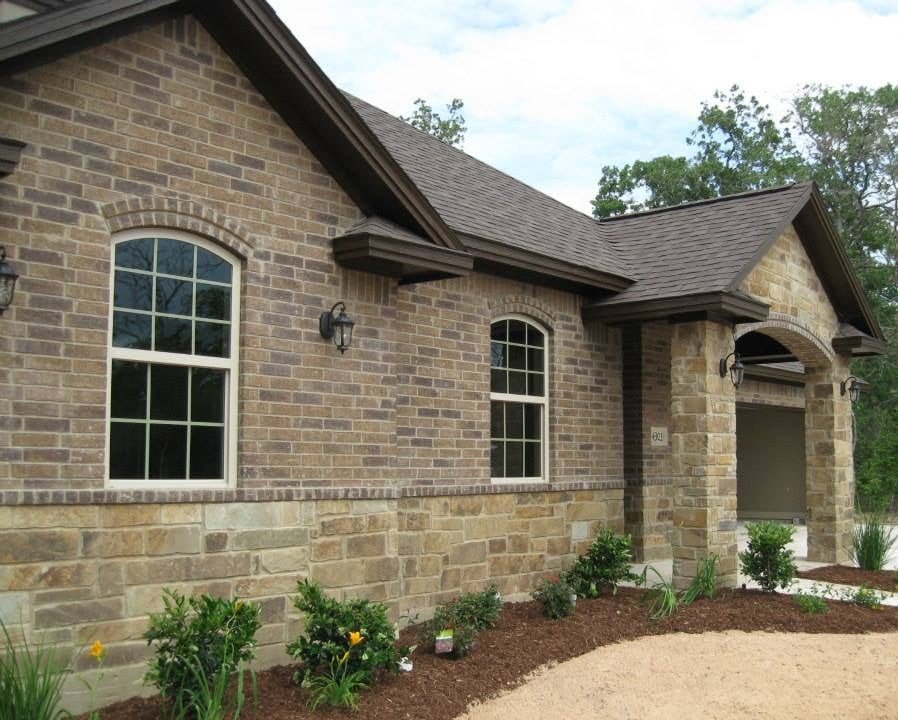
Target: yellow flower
[
  {"x": 98, "y": 650},
  {"x": 355, "y": 638},
  {"x": 345, "y": 656}
]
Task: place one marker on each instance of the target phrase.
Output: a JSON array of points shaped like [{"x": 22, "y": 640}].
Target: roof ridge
[{"x": 707, "y": 201}]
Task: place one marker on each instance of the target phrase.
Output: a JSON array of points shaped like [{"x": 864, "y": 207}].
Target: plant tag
[
  {"x": 444, "y": 641},
  {"x": 405, "y": 664}
]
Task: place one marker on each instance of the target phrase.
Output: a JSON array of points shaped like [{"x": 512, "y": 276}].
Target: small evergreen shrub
[
  {"x": 198, "y": 639},
  {"x": 872, "y": 540},
  {"x": 464, "y": 615},
  {"x": 333, "y": 629},
  {"x": 604, "y": 564},
  {"x": 557, "y": 597},
  {"x": 766, "y": 560},
  {"x": 811, "y": 604},
  {"x": 479, "y": 609}
]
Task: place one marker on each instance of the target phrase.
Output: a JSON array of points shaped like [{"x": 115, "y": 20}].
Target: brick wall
[
  {"x": 161, "y": 128},
  {"x": 368, "y": 471}
]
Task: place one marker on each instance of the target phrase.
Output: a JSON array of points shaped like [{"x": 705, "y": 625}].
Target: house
[{"x": 191, "y": 205}]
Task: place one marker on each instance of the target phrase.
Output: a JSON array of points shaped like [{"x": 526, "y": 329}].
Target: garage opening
[{"x": 770, "y": 462}]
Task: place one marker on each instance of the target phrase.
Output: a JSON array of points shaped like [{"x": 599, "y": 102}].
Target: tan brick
[{"x": 467, "y": 553}]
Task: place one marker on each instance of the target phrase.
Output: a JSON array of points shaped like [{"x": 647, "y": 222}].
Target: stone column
[
  {"x": 829, "y": 462},
  {"x": 703, "y": 435}
]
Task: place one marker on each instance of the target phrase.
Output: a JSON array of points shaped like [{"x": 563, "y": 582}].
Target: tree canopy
[
  {"x": 451, "y": 130},
  {"x": 845, "y": 139}
]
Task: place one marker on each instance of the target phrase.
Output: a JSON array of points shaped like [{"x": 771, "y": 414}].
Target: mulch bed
[
  {"x": 441, "y": 689},
  {"x": 845, "y": 575}
]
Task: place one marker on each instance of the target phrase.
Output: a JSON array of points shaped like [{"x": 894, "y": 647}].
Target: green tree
[
  {"x": 450, "y": 130},
  {"x": 846, "y": 139}
]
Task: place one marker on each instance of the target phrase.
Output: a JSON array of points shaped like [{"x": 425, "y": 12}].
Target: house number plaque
[{"x": 659, "y": 437}]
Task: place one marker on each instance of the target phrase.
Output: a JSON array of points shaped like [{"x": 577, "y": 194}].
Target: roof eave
[
  {"x": 859, "y": 346},
  {"x": 407, "y": 260},
  {"x": 718, "y": 306},
  {"x": 496, "y": 258}
]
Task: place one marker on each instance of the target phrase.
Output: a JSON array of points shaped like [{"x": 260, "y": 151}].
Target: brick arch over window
[
  {"x": 523, "y": 305},
  {"x": 807, "y": 347},
  {"x": 183, "y": 215}
]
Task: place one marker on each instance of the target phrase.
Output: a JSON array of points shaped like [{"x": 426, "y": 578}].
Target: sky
[{"x": 556, "y": 89}]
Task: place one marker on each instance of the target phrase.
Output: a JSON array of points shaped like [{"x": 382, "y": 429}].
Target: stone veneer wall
[
  {"x": 802, "y": 318},
  {"x": 79, "y": 572}
]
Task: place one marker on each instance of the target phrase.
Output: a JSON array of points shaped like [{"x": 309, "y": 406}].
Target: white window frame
[
  {"x": 542, "y": 401},
  {"x": 230, "y": 364}
]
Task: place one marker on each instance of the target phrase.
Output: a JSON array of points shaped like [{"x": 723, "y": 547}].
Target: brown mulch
[
  {"x": 441, "y": 689},
  {"x": 845, "y": 575}
]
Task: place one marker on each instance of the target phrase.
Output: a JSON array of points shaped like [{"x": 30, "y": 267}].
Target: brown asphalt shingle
[
  {"x": 476, "y": 199},
  {"x": 700, "y": 247},
  {"x": 684, "y": 250}
]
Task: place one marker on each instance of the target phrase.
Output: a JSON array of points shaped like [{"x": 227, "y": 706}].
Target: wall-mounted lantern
[
  {"x": 337, "y": 327},
  {"x": 736, "y": 370},
  {"x": 852, "y": 386},
  {"x": 8, "y": 279}
]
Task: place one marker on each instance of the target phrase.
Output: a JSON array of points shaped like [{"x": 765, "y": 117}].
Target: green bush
[
  {"x": 557, "y": 597},
  {"x": 766, "y": 559},
  {"x": 31, "y": 679},
  {"x": 872, "y": 540},
  {"x": 868, "y": 597},
  {"x": 605, "y": 564},
  {"x": 198, "y": 638},
  {"x": 811, "y": 604},
  {"x": 479, "y": 609},
  {"x": 333, "y": 629},
  {"x": 464, "y": 615}
]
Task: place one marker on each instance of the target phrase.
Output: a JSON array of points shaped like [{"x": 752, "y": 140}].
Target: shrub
[
  {"x": 868, "y": 597},
  {"x": 465, "y": 615},
  {"x": 811, "y": 604},
  {"x": 557, "y": 597},
  {"x": 31, "y": 679},
  {"x": 479, "y": 609},
  {"x": 766, "y": 559},
  {"x": 872, "y": 540},
  {"x": 198, "y": 638},
  {"x": 705, "y": 581},
  {"x": 333, "y": 629},
  {"x": 605, "y": 564}
]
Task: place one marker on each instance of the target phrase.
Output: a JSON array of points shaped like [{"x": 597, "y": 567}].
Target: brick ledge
[{"x": 124, "y": 497}]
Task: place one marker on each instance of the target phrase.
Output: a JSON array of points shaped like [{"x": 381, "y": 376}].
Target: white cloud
[{"x": 554, "y": 89}]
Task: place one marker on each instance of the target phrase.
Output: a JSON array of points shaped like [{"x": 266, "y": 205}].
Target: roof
[
  {"x": 665, "y": 246},
  {"x": 434, "y": 211},
  {"x": 479, "y": 201}
]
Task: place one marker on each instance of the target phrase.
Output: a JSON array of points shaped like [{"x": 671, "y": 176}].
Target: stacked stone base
[{"x": 72, "y": 574}]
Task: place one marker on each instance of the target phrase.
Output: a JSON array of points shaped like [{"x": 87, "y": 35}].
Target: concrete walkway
[{"x": 799, "y": 546}]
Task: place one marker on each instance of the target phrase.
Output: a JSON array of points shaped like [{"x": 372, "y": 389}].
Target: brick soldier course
[{"x": 370, "y": 471}]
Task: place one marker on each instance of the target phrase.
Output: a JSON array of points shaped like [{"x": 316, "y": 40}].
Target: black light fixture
[
  {"x": 337, "y": 327},
  {"x": 8, "y": 279},
  {"x": 736, "y": 370},
  {"x": 852, "y": 386}
]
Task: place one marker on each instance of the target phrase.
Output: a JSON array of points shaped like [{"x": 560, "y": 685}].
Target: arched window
[
  {"x": 172, "y": 362},
  {"x": 519, "y": 401}
]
